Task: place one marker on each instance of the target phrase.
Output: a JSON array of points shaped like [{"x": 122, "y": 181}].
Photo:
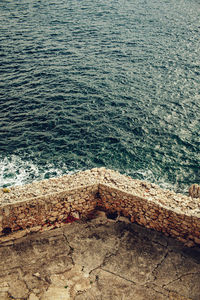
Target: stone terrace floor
[{"x": 101, "y": 259}]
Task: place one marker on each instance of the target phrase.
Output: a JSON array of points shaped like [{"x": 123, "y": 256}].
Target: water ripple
[{"x": 104, "y": 83}]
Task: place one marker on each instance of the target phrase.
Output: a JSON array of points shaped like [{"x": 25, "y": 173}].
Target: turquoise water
[{"x": 100, "y": 83}]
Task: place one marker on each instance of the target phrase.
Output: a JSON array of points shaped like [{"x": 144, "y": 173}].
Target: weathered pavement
[{"x": 100, "y": 259}]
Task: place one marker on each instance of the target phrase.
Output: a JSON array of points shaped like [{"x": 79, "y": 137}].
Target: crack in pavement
[
  {"x": 179, "y": 278},
  {"x": 106, "y": 257},
  {"x": 21, "y": 278},
  {"x": 177, "y": 293},
  {"x": 71, "y": 249},
  {"x": 157, "y": 266},
  {"x": 151, "y": 287},
  {"x": 158, "y": 243},
  {"x": 119, "y": 276}
]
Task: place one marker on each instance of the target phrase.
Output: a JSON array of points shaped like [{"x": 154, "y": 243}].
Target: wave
[{"x": 15, "y": 170}]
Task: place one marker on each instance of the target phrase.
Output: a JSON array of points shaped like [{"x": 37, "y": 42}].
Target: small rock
[
  {"x": 197, "y": 240},
  {"x": 37, "y": 275},
  {"x": 33, "y": 297},
  {"x": 35, "y": 229},
  {"x": 75, "y": 214},
  {"x": 189, "y": 244},
  {"x": 123, "y": 219},
  {"x": 52, "y": 219}
]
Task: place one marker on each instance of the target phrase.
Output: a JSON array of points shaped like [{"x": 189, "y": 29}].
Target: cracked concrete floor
[{"x": 99, "y": 259}]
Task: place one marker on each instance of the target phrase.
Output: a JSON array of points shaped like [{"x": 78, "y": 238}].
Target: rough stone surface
[
  {"x": 51, "y": 203},
  {"x": 99, "y": 259},
  {"x": 194, "y": 191}
]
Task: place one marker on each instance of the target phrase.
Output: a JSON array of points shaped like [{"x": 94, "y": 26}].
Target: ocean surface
[{"x": 92, "y": 83}]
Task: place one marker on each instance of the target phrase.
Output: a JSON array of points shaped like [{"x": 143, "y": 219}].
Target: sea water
[{"x": 92, "y": 83}]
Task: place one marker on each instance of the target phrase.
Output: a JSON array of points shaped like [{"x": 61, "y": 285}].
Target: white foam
[{"x": 17, "y": 171}]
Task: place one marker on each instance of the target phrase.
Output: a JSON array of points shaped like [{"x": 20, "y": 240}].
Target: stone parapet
[
  {"x": 50, "y": 203},
  {"x": 171, "y": 221}
]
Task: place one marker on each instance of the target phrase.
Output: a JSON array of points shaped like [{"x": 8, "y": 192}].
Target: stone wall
[
  {"x": 50, "y": 203},
  {"x": 151, "y": 215},
  {"x": 48, "y": 211}
]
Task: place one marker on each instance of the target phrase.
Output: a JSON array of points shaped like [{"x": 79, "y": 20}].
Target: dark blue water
[{"x": 100, "y": 83}]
